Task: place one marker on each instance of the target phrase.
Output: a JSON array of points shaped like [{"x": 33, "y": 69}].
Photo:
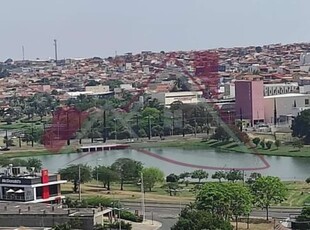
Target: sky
[{"x": 88, "y": 28}]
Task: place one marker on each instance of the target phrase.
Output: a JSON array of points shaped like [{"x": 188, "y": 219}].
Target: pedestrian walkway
[{"x": 146, "y": 225}]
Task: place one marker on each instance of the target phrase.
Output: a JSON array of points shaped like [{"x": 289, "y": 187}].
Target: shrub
[
  {"x": 277, "y": 143},
  {"x": 126, "y": 215},
  {"x": 262, "y": 144},
  {"x": 269, "y": 144},
  {"x": 124, "y": 225},
  {"x": 98, "y": 200}
]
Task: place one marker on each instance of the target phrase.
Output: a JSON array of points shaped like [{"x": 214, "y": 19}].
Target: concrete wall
[{"x": 48, "y": 220}]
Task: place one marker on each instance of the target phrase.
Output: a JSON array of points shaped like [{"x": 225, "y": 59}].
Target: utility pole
[
  {"x": 55, "y": 44},
  {"x": 80, "y": 128},
  {"x": 104, "y": 127},
  {"x": 32, "y": 134},
  {"x": 137, "y": 123},
  {"x": 143, "y": 204},
  {"x": 172, "y": 123},
  {"x": 183, "y": 124},
  {"x": 80, "y": 192},
  {"x": 195, "y": 127},
  {"x": 119, "y": 216},
  {"x": 115, "y": 134},
  {"x": 6, "y": 139},
  {"x": 67, "y": 131},
  {"x": 275, "y": 112},
  {"x": 150, "y": 127},
  {"x": 23, "y": 52}
]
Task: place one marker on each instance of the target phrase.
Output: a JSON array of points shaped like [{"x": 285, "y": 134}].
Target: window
[{"x": 306, "y": 101}]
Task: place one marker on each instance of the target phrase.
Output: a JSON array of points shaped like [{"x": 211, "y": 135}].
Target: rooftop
[{"x": 47, "y": 209}]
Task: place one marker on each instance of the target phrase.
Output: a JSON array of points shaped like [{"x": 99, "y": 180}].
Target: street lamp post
[
  {"x": 119, "y": 215},
  {"x": 99, "y": 159},
  {"x": 172, "y": 125},
  {"x": 143, "y": 203},
  {"x": 195, "y": 127}
]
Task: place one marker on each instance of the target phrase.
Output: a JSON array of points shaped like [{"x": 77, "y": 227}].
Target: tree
[
  {"x": 198, "y": 219},
  {"x": 304, "y": 215},
  {"x": 64, "y": 226},
  {"x": 220, "y": 134},
  {"x": 8, "y": 141},
  {"x": 184, "y": 175},
  {"x": 301, "y": 126},
  {"x": 268, "y": 190},
  {"x": 234, "y": 175},
  {"x": 106, "y": 175},
  {"x": 298, "y": 144},
  {"x": 269, "y": 144},
  {"x": 256, "y": 141},
  {"x": 241, "y": 201},
  {"x": 172, "y": 178},
  {"x": 219, "y": 175},
  {"x": 71, "y": 173},
  {"x": 15, "y": 162},
  {"x": 253, "y": 177},
  {"x": 263, "y": 144},
  {"x": 225, "y": 200},
  {"x": 127, "y": 169},
  {"x": 151, "y": 176},
  {"x": 277, "y": 143},
  {"x": 34, "y": 163},
  {"x": 172, "y": 183},
  {"x": 200, "y": 175}
]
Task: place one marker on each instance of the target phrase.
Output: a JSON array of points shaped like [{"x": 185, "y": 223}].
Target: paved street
[{"x": 167, "y": 213}]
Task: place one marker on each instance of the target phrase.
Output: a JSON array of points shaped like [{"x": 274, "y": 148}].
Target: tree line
[{"x": 217, "y": 204}]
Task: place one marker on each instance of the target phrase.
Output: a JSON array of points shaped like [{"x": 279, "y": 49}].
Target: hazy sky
[{"x": 87, "y": 28}]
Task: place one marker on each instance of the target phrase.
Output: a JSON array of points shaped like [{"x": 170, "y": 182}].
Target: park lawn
[
  {"x": 130, "y": 193},
  {"x": 15, "y": 125},
  {"x": 298, "y": 193}
]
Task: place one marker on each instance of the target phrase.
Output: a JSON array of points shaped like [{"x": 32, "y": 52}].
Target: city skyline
[{"x": 103, "y": 28}]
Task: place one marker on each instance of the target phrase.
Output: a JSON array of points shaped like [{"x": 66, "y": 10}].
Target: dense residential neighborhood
[{"x": 280, "y": 75}]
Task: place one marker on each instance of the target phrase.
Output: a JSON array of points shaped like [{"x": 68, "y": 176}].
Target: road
[{"x": 167, "y": 213}]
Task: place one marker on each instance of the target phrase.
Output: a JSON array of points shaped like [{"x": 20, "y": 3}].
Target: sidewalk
[{"x": 146, "y": 225}]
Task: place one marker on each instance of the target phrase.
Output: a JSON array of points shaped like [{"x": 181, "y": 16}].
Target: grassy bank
[
  {"x": 32, "y": 152},
  {"x": 189, "y": 143},
  {"x": 284, "y": 150}
]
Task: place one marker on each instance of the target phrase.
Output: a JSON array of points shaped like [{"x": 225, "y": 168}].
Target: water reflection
[{"x": 286, "y": 168}]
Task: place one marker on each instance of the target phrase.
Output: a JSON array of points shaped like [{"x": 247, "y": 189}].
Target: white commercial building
[
  {"x": 187, "y": 97},
  {"x": 98, "y": 89},
  {"x": 285, "y": 107}
]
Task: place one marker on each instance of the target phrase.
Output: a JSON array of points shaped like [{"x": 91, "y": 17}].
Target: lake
[{"x": 175, "y": 160}]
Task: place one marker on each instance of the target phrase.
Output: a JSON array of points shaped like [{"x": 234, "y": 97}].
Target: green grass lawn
[{"x": 298, "y": 193}]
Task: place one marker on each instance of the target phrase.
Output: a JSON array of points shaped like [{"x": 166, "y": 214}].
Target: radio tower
[{"x": 55, "y": 44}]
